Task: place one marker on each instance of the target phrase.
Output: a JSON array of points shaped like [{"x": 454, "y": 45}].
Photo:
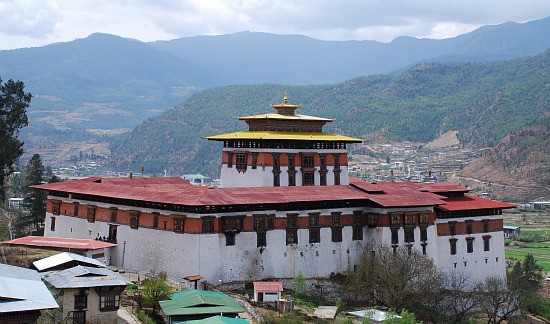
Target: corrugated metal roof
[
  {"x": 60, "y": 242},
  {"x": 22, "y": 290},
  {"x": 216, "y": 320},
  {"x": 268, "y": 286},
  {"x": 290, "y": 136},
  {"x": 82, "y": 277},
  {"x": 63, "y": 258},
  {"x": 193, "y": 302}
]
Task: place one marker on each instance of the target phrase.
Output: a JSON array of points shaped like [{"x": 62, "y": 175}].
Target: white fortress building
[{"x": 286, "y": 205}]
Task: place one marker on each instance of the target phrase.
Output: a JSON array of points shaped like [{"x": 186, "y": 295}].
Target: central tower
[{"x": 284, "y": 149}]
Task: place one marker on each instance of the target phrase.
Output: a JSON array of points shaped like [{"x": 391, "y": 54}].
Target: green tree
[
  {"x": 299, "y": 283},
  {"x": 13, "y": 106},
  {"x": 155, "y": 289},
  {"x": 35, "y": 200},
  {"x": 525, "y": 278}
]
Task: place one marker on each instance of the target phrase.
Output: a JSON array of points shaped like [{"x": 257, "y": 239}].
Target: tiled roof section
[
  {"x": 468, "y": 202},
  {"x": 280, "y": 135},
  {"x": 179, "y": 192},
  {"x": 436, "y": 187},
  {"x": 22, "y": 290},
  {"x": 268, "y": 286},
  {"x": 60, "y": 242}
]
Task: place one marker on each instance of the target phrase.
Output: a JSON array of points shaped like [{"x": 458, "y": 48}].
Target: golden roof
[
  {"x": 286, "y": 117},
  {"x": 278, "y": 135}
]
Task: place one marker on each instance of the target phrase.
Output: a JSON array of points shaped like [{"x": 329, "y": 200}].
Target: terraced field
[{"x": 534, "y": 237}]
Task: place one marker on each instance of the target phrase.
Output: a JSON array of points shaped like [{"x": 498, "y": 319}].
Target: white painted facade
[
  {"x": 262, "y": 175},
  {"x": 181, "y": 255}
]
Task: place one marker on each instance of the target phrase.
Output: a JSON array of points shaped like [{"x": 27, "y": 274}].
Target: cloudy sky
[{"x": 27, "y": 23}]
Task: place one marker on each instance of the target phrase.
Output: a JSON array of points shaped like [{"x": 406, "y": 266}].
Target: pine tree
[
  {"x": 35, "y": 200},
  {"x": 13, "y": 105}
]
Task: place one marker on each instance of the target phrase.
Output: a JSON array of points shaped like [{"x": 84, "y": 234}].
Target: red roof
[
  {"x": 268, "y": 286},
  {"x": 179, "y": 192},
  {"x": 468, "y": 202},
  {"x": 60, "y": 242}
]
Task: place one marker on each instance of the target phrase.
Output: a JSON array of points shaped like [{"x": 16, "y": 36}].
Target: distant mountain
[
  {"x": 256, "y": 58},
  {"x": 106, "y": 82},
  {"x": 484, "y": 101}
]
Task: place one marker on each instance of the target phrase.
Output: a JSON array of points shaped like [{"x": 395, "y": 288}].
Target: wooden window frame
[
  {"x": 52, "y": 224},
  {"x": 395, "y": 236},
  {"x": 453, "y": 247},
  {"x": 291, "y": 236},
  {"x": 113, "y": 216},
  {"x": 179, "y": 225},
  {"x": 56, "y": 207},
  {"x": 308, "y": 161},
  {"x": 470, "y": 244},
  {"x": 156, "y": 220},
  {"x": 79, "y": 317},
  {"x": 486, "y": 243},
  {"x": 90, "y": 214},
  {"x": 261, "y": 239},
  {"x": 409, "y": 235},
  {"x": 308, "y": 178},
  {"x": 75, "y": 209},
  {"x": 134, "y": 219},
  {"x": 241, "y": 161},
  {"x": 452, "y": 228},
  {"x": 357, "y": 233},
  {"x": 336, "y": 234},
  {"x": 207, "y": 226},
  {"x": 230, "y": 238}
]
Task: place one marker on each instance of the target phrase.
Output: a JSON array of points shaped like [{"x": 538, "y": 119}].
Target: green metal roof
[
  {"x": 192, "y": 302},
  {"x": 215, "y": 320}
]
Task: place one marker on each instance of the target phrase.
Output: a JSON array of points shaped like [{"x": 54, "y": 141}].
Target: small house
[
  {"x": 267, "y": 291},
  {"x": 511, "y": 232},
  {"x": 89, "y": 294}
]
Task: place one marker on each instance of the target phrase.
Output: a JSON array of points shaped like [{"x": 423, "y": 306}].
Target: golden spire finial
[{"x": 285, "y": 98}]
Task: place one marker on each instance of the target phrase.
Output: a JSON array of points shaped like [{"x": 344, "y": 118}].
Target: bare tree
[{"x": 498, "y": 302}]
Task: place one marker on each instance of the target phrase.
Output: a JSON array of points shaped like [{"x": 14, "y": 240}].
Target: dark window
[
  {"x": 337, "y": 162},
  {"x": 372, "y": 220},
  {"x": 358, "y": 218},
  {"x": 314, "y": 235},
  {"x": 208, "y": 225},
  {"x": 424, "y": 248},
  {"x": 155, "y": 220},
  {"x": 261, "y": 239},
  {"x": 276, "y": 162},
  {"x": 270, "y": 222},
  {"x": 109, "y": 302},
  {"x": 485, "y": 225},
  {"x": 323, "y": 179},
  {"x": 291, "y": 236},
  {"x": 55, "y": 207},
  {"x": 409, "y": 219},
  {"x": 232, "y": 224},
  {"x": 453, "y": 246},
  {"x": 291, "y": 179},
  {"x": 52, "y": 224},
  {"x": 357, "y": 233},
  {"x": 336, "y": 219},
  {"x": 308, "y": 179},
  {"x": 79, "y": 317},
  {"x": 394, "y": 236},
  {"x": 229, "y": 159},
  {"x": 113, "y": 229},
  {"x": 395, "y": 220},
  {"x": 254, "y": 160},
  {"x": 423, "y": 234},
  {"x": 336, "y": 177},
  {"x": 75, "y": 212},
  {"x": 90, "y": 214},
  {"x": 487, "y": 243},
  {"x": 292, "y": 220},
  {"x": 452, "y": 228},
  {"x": 134, "y": 220},
  {"x": 409, "y": 235},
  {"x": 323, "y": 165},
  {"x": 241, "y": 161},
  {"x": 80, "y": 301},
  {"x": 470, "y": 244},
  {"x": 229, "y": 238},
  {"x": 336, "y": 234},
  {"x": 113, "y": 216},
  {"x": 276, "y": 179},
  {"x": 259, "y": 223},
  {"x": 313, "y": 220},
  {"x": 424, "y": 218},
  {"x": 178, "y": 225},
  {"x": 308, "y": 162},
  {"x": 469, "y": 227},
  {"x": 291, "y": 163}
]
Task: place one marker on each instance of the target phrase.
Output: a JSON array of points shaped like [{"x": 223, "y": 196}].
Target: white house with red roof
[
  {"x": 267, "y": 291},
  {"x": 287, "y": 205}
]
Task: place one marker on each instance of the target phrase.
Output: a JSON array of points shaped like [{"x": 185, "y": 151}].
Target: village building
[
  {"x": 286, "y": 204},
  {"x": 267, "y": 291},
  {"x": 89, "y": 294}
]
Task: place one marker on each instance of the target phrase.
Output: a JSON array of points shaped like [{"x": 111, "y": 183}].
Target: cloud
[
  {"x": 28, "y": 18},
  {"x": 46, "y": 21}
]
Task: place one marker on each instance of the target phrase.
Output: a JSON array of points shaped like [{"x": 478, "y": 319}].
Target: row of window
[
  {"x": 470, "y": 244},
  {"x": 285, "y": 144},
  {"x": 469, "y": 227},
  {"x": 409, "y": 235}
]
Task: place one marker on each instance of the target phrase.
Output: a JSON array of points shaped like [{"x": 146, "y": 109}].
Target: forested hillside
[
  {"x": 518, "y": 166},
  {"x": 485, "y": 101}
]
